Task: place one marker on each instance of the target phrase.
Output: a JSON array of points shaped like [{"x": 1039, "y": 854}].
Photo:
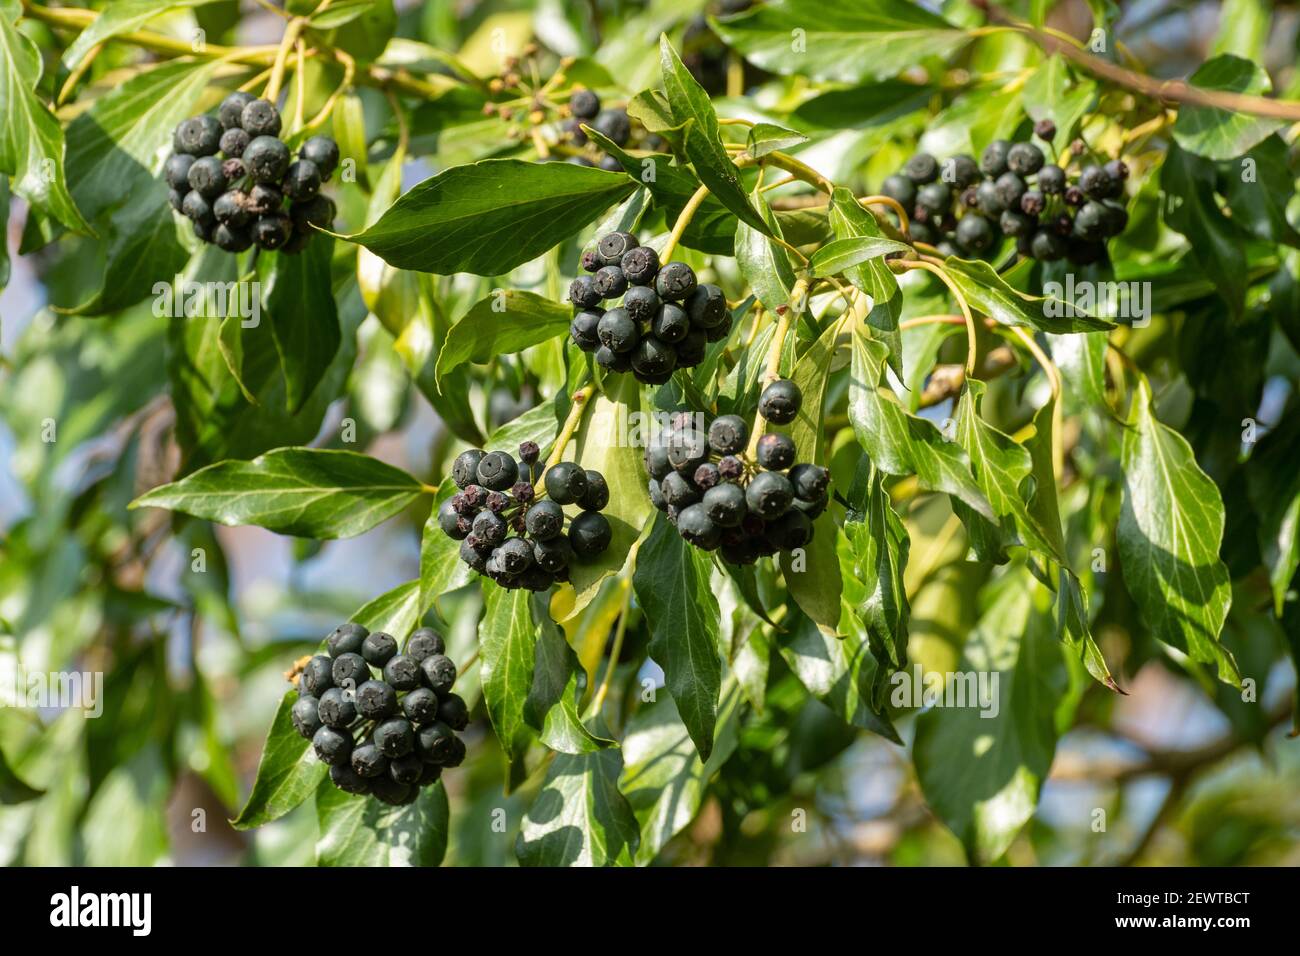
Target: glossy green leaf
[
  {"x": 441, "y": 569},
  {"x": 488, "y": 217},
  {"x": 345, "y": 11},
  {"x": 304, "y": 319},
  {"x": 981, "y": 764},
  {"x": 873, "y": 276},
  {"x": 843, "y": 254},
  {"x": 31, "y": 139},
  {"x": 692, "y": 109},
  {"x": 847, "y": 41},
  {"x": 362, "y": 831},
  {"x": 287, "y": 774},
  {"x": 395, "y": 612},
  {"x": 579, "y": 818},
  {"x": 1214, "y": 238},
  {"x": 1273, "y": 483},
  {"x": 672, "y": 587},
  {"x": 312, "y": 493},
  {"x": 1258, "y": 188},
  {"x": 552, "y": 704},
  {"x": 988, "y": 292},
  {"x": 506, "y": 322},
  {"x": 764, "y": 264},
  {"x": 508, "y": 651},
  {"x": 121, "y": 16},
  {"x": 903, "y": 444},
  {"x": 813, "y": 576},
  {"x": 873, "y": 552},
  {"x": 1050, "y": 95},
  {"x": 664, "y": 778},
  {"x": 12, "y": 788},
  {"x": 764, "y": 138},
  {"x": 1216, "y": 133},
  {"x": 1169, "y": 534}
]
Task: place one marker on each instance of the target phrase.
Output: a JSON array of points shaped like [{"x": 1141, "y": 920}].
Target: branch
[{"x": 1167, "y": 91}]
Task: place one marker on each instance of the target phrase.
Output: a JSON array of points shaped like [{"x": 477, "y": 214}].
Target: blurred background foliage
[{"x": 1179, "y": 771}]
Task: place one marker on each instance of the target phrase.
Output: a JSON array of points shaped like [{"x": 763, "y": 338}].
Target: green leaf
[
  {"x": 988, "y": 292},
  {"x": 4, "y": 220},
  {"x": 846, "y": 41},
  {"x": 12, "y": 789},
  {"x": 1219, "y": 133},
  {"x": 1170, "y": 529},
  {"x": 345, "y": 11},
  {"x": 579, "y": 818},
  {"x": 121, "y": 16},
  {"x": 395, "y": 612},
  {"x": 1081, "y": 359},
  {"x": 490, "y": 216},
  {"x": 1257, "y": 189},
  {"x": 1049, "y": 95},
  {"x": 843, "y": 254},
  {"x": 813, "y": 576},
  {"x": 811, "y": 374},
  {"x": 672, "y": 583},
  {"x": 1215, "y": 240},
  {"x": 604, "y": 444},
  {"x": 441, "y": 569},
  {"x": 1273, "y": 484},
  {"x": 506, "y": 322},
  {"x": 552, "y": 704},
  {"x": 508, "y": 652},
  {"x": 31, "y": 139},
  {"x": 287, "y": 774},
  {"x": 663, "y": 778},
  {"x": 306, "y": 492},
  {"x": 850, "y": 221},
  {"x": 903, "y": 444},
  {"x": 692, "y": 109},
  {"x": 873, "y": 552},
  {"x": 362, "y": 831},
  {"x": 764, "y": 263},
  {"x": 981, "y": 765},
  {"x": 767, "y": 138},
  {"x": 304, "y": 319}
]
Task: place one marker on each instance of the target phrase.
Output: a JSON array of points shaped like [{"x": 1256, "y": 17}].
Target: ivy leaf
[
  {"x": 508, "y": 650},
  {"x": 488, "y": 217},
  {"x": 579, "y": 818},
  {"x": 692, "y": 109},
  {"x": 672, "y": 586},
  {"x": 506, "y": 322},
  {"x": 604, "y": 445},
  {"x": 362, "y": 831},
  {"x": 307, "y": 492},
  {"x": 1082, "y": 360},
  {"x": 1215, "y": 240},
  {"x": 304, "y": 318},
  {"x": 811, "y": 374},
  {"x": 31, "y": 139},
  {"x": 1170, "y": 530},
  {"x": 1258, "y": 187},
  {"x": 767, "y": 138},
  {"x": 903, "y": 444},
  {"x": 1219, "y": 133},
  {"x": 1049, "y": 95},
  {"x": 842, "y": 254},
  {"x": 12, "y": 788},
  {"x": 988, "y": 292},
  {"x": 121, "y": 16},
  {"x": 981, "y": 767},
  {"x": 441, "y": 569},
  {"x": 813, "y": 576},
  {"x": 846, "y": 41},
  {"x": 664, "y": 778},
  {"x": 873, "y": 553},
  {"x": 849, "y": 220},
  {"x": 287, "y": 774},
  {"x": 340, "y": 13},
  {"x": 552, "y": 704},
  {"x": 1273, "y": 484},
  {"x": 394, "y": 612},
  {"x": 764, "y": 263}
]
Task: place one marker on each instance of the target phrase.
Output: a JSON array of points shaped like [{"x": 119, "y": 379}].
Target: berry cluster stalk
[
  {"x": 773, "y": 371},
  {"x": 571, "y": 424}
]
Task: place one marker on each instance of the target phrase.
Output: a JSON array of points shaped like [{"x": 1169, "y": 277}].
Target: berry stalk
[
  {"x": 570, "y": 426},
  {"x": 773, "y": 371}
]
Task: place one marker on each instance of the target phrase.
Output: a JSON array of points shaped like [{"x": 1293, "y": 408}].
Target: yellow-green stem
[
  {"x": 571, "y": 423},
  {"x": 683, "y": 220}
]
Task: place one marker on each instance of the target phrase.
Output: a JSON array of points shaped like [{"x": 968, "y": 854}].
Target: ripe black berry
[
  {"x": 301, "y": 180},
  {"x": 1014, "y": 223},
  {"x": 197, "y": 136},
  {"x": 316, "y": 676},
  {"x": 514, "y": 556},
  {"x": 609, "y": 282},
  {"x": 791, "y": 530},
  {"x": 207, "y": 178},
  {"x": 596, "y": 497},
  {"x": 1010, "y": 188},
  {"x": 490, "y": 527},
  {"x": 464, "y": 470},
  {"x": 402, "y": 672},
  {"x": 583, "y": 292},
  {"x": 614, "y": 246},
  {"x": 653, "y": 360},
  {"x": 545, "y": 520},
  {"x": 934, "y": 198},
  {"x": 323, "y": 152},
  {"x": 345, "y": 639},
  {"x": 961, "y": 171},
  {"x": 728, "y": 434},
  {"x": 640, "y": 265},
  {"x": 1096, "y": 183},
  {"x": 769, "y": 495},
  {"x": 1045, "y": 130},
  {"x": 612, "y": 361},
  {"x": 1117, "y": 170},
  {"x": 921, "y": 169},
  {"x": 725, "y": 505},
  {"x": 695, "y": 525},
  {"x": 378, "y": 648},
  {"x": 333, "y": 747},
  {"x": 584, "y": 104},
  {"x": 472, "y": 556},
  {"x": 497, "y": 471},
  {"x": 337, "y": 709},
  {"x": 433, "y": 743},
  {"x": 420, "y": 706},
  {"x": 267, "y": 159},
  {"x": 553, "y": 555},
  {"x": 234, "y": 142},
  {"x": 395, "y": 737},
  {"x": 177, "y": 170},
  {"x": 614, "y": 125},
  {"x": 231, "y": 238},
  {"x": 406, "y": 770},
  {"x": 369, "y": 761},
  {"x": 590, "y": 534},
  {"x": 389, "y": 791},
  {"x": 1032, "y": 203},
  {"x": 264, "y": 198},
  {"x": 305, "y": 715},
  {"x": 317, "y": 211},
  {"x": 706, "y": 306},
  {"x": 901, "y": 189},
  {"x": 231, "y": 111},
  {"x": 348, "y": 780},
  {"x": 349, "y": 669},
  {"x": 780, "y": 402},
  {"x": 678, "y": 490},
  {"x": 775, "y": 451},
  {"x": 452, "y": 524},
  {"x": 1090, "y": 221},
  {"x": 1051, "y": 180},
  {"x": 1024, "y": 159},
  {"x": 687, "y": 450},
  {"x": 424, "y": 642},
  {"x": 1047, "y": 246},
  {"x": 453, "y": 712},
  {"x": 809, "y": 481},
  {"x": 232, "y": 209},
  {"x": 975, "y": 234},
  {"x": 642, "y": 303},
  {"x": 272, "y": 231},
  {"x": 675, "y": 281},
  {"x": 260, "y": 118},
  {"x": 993, "y": 161},
  {"x": 565, "y": 482}
]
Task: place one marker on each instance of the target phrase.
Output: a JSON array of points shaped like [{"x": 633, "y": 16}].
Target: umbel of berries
[
  {"x": 665, "y": 319},
  {"x": 385, "y": 720},
  {"x": 965, "y": 208},
  {"x": 718, "y": 498},
  {"x": 237, "y": 199},
  {"x": 518, "y": 535}
]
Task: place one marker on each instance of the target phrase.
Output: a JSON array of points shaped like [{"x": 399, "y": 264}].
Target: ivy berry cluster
[
  {"x": 964, "y": 208},
  {"x": 239, "y": 201},
  {"x": 514, "y": 535},
  {"x": 613, "y": 124},
  {"x": 385, "y": 722},
  {"x": 666, "y": 317},
  {"x": 720, "y": 499}
]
